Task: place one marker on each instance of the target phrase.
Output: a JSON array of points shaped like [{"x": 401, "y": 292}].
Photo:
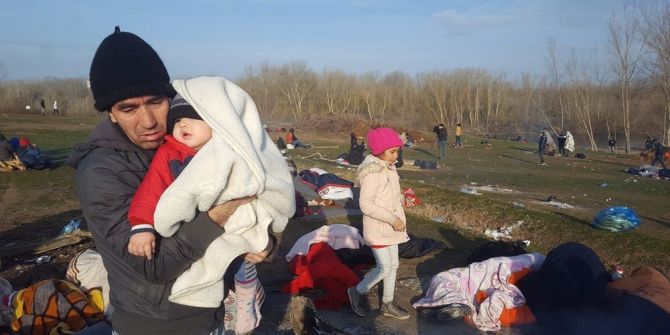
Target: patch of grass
[{"x": 514, "y": 165}]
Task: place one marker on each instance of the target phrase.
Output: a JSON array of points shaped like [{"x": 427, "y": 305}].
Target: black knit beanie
[
  {"x": 125, "y": 66},
  {"x": 180, "y": 108}
]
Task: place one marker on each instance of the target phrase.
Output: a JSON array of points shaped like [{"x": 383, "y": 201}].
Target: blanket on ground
[{"x": 494, "y": 278}]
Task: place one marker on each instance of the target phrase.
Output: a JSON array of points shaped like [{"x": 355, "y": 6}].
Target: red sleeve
[{"x": 155, "y": 182}]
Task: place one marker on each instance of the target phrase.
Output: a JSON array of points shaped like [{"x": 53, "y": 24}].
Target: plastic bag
[
  {"x": 410, "y": 198},
  {"x": 616, "y": 219}
]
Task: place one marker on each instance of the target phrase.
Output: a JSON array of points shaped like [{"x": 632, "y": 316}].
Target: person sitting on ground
[
  {"x": 8, "y": 158},
  {"x": 353, "y": 141},
  {"x": 33, "y": 158},
  {"x": 611, "y": 143},
  {"x": 292, "y": 139},
  {"x": 6, "y": 149},
  {"x": 384, "y": 222},
  {"x": 280, "y": 143}
]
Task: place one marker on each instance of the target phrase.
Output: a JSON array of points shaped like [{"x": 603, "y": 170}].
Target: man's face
[{"x": 143, "y": 119}]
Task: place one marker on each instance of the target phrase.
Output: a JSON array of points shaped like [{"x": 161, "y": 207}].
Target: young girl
[{"x": 384, "y": 220}]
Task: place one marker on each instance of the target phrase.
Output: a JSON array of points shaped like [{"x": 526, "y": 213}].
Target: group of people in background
[
  {"x": 443, "y": 139},
  {"x": 566, "y": 144},
  {"x": 43, "y": 108}
]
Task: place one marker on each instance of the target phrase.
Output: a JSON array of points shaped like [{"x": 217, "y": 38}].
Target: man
[
  {"x": 659, "y": 150},
  {"x": 442, "y": 139},
  {"x": 129, "y": 80},
  {"x": 43, "y": 107},
  {"x": 611, "y": 143},
  {"x": 562, "y": 139},
  {"x": 542, "y": 145},
  {"x": 648, "y": 144}
]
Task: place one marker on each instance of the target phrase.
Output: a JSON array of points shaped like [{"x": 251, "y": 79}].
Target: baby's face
[{"x": 194, "y": 133}]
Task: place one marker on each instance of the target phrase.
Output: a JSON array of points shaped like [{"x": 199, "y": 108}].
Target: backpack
[{"x": 55, "y": 307}]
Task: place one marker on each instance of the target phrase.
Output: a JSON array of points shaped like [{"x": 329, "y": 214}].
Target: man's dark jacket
[{"x": 110, "y": 168}]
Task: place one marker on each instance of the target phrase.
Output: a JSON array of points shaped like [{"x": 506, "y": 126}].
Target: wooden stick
[{"x": 44, "y": 246}]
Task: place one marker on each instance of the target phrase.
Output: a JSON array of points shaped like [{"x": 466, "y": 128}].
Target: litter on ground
[
  {"x": 469, "y": 190},
  {"x": 503, "y": 232}
]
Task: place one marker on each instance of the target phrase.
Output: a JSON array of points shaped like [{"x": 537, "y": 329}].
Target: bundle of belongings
[
  {"x": 425, "y": 164},
  {"x": 327, "y": 185},
  {"x": 33, "y": 158},
  {"x": 649, "y": 171},
  {"x": 410, "y": 199},
  {"x": 53, "y": 306},
  {"x": 616, "y": 219},
  {"x": 567, "y": 292},
  {"x": 330, "y": 258},
  {"x": 487, "y": 289},
  {"x": 313, "y": 260}
]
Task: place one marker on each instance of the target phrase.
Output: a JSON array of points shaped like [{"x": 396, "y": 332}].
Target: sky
[{"x": 42, "y": 39}]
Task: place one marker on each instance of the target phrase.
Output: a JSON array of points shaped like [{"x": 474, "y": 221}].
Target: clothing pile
[
  {"x": 327, "y": 185},
  {"x": 488, "y": 288}
]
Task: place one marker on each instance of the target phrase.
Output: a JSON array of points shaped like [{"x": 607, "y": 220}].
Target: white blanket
[{"x": 240, "y": 160}]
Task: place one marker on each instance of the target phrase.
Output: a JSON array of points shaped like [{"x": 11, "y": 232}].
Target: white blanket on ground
[{"x": 240, "y": 160}]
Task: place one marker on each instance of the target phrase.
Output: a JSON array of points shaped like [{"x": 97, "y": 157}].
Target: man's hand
[
  {"x": 221, "y": 213},
  {"x": 260, "y": 256},
  {"x": 398, "y": 225},
  {"x": 142, "y": 244}
]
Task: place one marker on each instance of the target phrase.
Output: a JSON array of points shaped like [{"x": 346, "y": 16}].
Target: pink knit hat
[{"x": 380, "y": 139}]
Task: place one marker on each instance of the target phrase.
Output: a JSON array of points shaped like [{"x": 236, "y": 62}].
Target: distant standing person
[
  {"x": 55, "y": 111},
  {"x": 648, "y": 144},
  {"x": 43, "y": 107},
  {"x": 562, "y": 139},
  {"x": 459, "y": 133},
  {"x": 442, "y": 140},
  {"x": 542, "y": 145},
  {"x": 611, "y": 143},
  {"x": 658, "y": 154}
]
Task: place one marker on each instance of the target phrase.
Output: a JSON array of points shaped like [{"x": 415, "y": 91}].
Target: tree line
[{"x": 621, "y": 91}]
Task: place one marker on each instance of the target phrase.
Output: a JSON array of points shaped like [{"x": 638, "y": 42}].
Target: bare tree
[
  {"x": 657, "y": 40},
  {"x": 297, "y": 82},
  {"x": 556, "y": 81},
  {"x": 627, "y": 47},
  {"x": 581, "y": 91}
]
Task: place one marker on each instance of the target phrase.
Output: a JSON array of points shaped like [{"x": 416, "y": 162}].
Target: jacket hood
[
  {"x": 371, "y": 164},
  {"x": 105, "y": 135}
]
